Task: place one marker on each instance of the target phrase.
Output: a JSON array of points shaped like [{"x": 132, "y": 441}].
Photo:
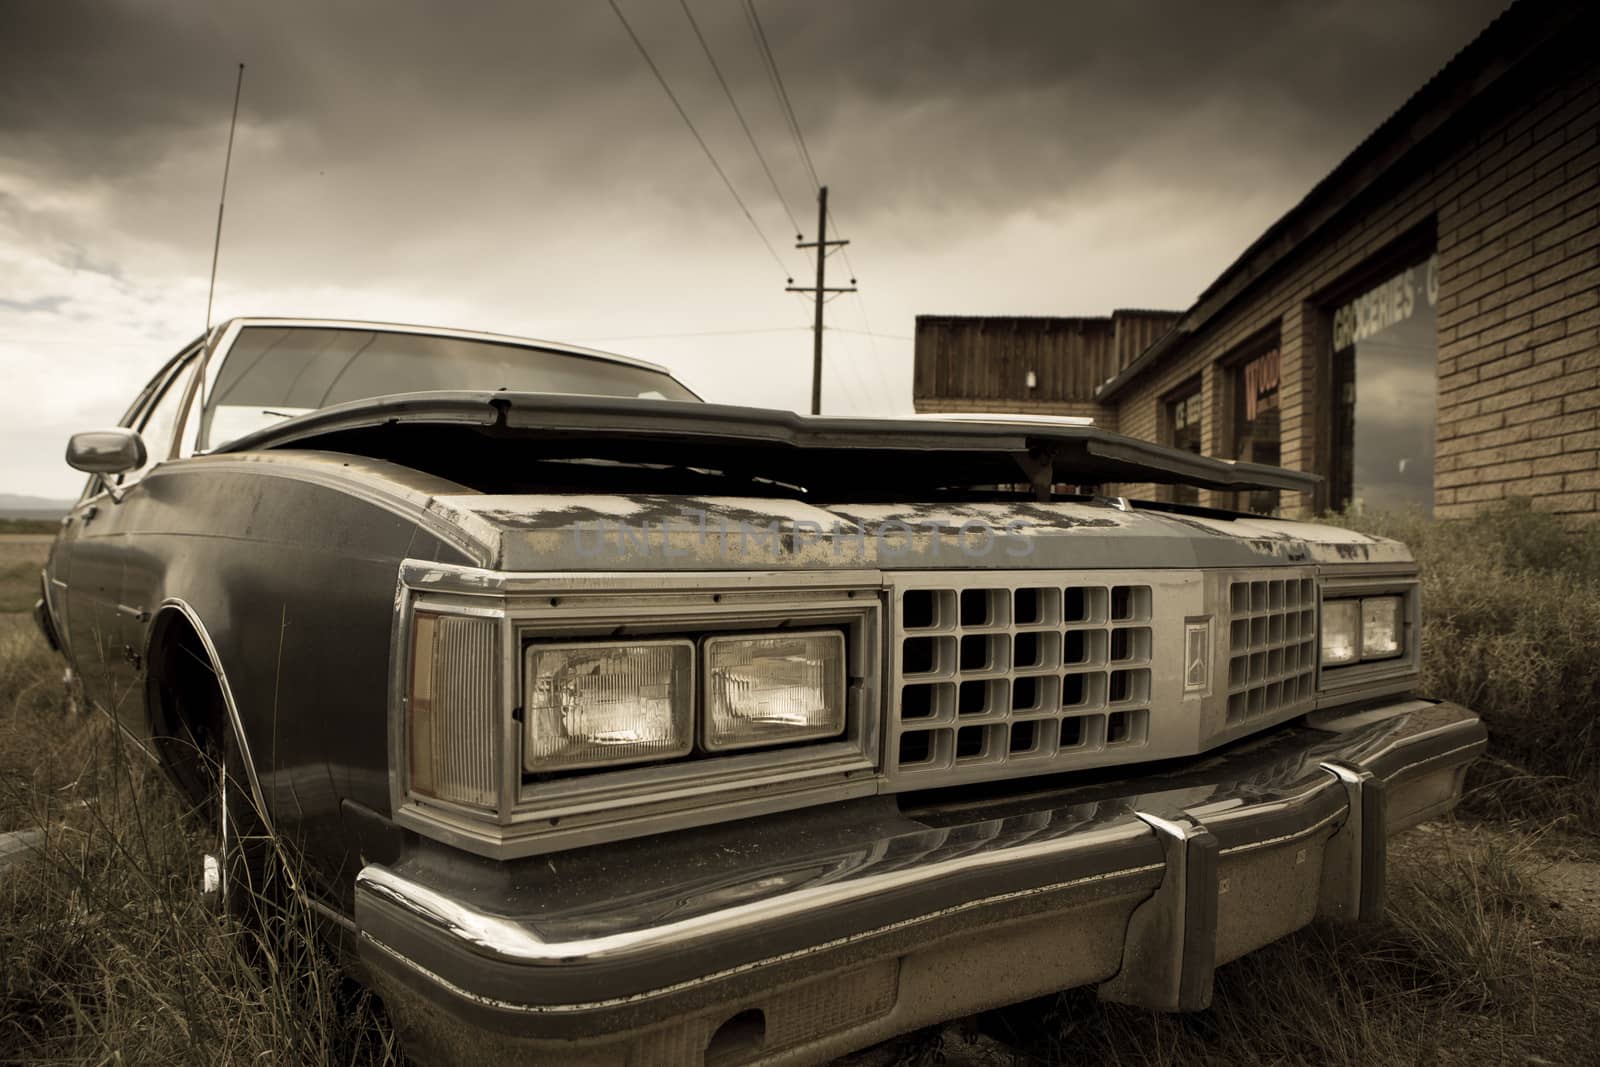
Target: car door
[
  {"x": 93, "y": 551},
  {"x": 135, "y": 525}
]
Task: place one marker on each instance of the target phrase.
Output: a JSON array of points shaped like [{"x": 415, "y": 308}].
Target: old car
[{"x": 611, "y": 726}]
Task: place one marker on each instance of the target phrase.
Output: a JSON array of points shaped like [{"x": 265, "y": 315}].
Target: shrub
[{"x": 1511, "y": 629}]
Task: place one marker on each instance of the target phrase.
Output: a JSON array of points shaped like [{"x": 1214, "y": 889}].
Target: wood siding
[{"x": 976, "y": 363}]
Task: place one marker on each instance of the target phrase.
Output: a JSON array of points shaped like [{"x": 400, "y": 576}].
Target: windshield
[{"x": 272, "y": 373}]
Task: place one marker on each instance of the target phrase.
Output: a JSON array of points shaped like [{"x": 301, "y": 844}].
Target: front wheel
[
  {"x": 240, "y": 867},
  {"x": 240, "y": 870}
]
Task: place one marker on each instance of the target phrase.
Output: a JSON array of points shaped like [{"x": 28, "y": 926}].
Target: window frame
[
  {"x": 1193, "y": 386},
  {"x": 1414, "y": 246},
  {"x": 1375, "y": 273},
  {"x": 1230, "y": 369},
  {"x": 223, "y": 336},
  {"x": 184, "y": 363},
  {"x": 138, "y": 412}
]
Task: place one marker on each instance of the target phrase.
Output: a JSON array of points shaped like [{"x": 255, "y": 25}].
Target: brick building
[{"x": 1423, "y": 328}]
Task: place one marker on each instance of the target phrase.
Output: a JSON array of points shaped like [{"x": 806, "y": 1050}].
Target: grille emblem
[{"x": 1196, "y": 656}]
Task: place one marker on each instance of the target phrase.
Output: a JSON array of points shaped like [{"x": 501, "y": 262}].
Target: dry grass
[
  {"x": 21, "y": 558},
  {"x": 111, "y": 956},
  {"x": 1511, "y": 608},
  {"x": 36, "y": 527},
  {"x": 1471, "y": 966}
]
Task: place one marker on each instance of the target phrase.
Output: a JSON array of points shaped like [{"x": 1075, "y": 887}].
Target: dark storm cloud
[
  {"x": 101, "y": 85},
  {"x": 514, "y": 166},
  {"x": 943, "y": 102}
]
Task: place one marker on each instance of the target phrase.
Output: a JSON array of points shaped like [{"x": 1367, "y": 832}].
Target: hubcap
[{"x": 211, "y": 877}]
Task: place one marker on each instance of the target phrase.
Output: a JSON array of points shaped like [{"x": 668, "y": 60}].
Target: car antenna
[{"x": 222, "y": 200}]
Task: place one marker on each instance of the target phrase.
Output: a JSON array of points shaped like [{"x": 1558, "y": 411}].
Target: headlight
[
  {"x": 1341, "y": 632},
  {"x": 1356, "y": 630},
  {"x": 452, "y": 706},
  {"x": 773, "y": 689},
  {"x": 598, "y": 704},
  {"x": 1380, "y": 627}
]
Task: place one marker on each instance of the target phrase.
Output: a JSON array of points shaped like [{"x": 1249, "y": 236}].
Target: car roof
[{"x": 446, "y": 331}]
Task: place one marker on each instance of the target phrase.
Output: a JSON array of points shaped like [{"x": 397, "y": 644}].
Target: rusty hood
[
  {"x": 606, "y": 484},
  {"x": 635, "y": 532}
]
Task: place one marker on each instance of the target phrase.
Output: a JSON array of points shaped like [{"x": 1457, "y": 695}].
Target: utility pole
[{"x": 819, "y": 294}]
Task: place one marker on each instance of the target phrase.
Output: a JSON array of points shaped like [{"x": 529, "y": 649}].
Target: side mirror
[{"x": 106, "y": 452}]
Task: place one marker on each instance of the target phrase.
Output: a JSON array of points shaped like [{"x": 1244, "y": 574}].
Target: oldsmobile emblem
[{"x": 1196, "y": 656}]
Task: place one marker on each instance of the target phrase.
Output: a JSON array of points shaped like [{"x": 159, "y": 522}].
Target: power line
[
  {"x": 860, "y": 394},
  {"x": 869, "y": 333},
  {"x": 697, "y": 333},
  {"x": 751, "y": 137},
  {"x": 701, "y": 141},
  {"x": 786, "y": 107},
  {"x": 879, "y": 375},
  {"x": 879, "y": 378},
  {"x": 866, "y": 391},
  {"x": 764, "y": 49}
]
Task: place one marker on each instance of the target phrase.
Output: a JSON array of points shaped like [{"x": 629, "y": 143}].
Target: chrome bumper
[{"x": 842, "y": 925}]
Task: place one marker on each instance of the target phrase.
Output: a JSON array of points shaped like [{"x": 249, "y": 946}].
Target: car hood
[
  {"x": 814, "y": 452},
  {"x": 635, "y": 532},
  {"x": 556, "y": 483}
]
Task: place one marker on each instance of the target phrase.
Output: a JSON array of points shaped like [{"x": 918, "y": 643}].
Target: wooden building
[{"x": 1042, "y": 366}]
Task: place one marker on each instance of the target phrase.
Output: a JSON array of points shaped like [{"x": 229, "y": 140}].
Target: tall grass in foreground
[
  {"x": 109, "y": 953},
  {"x": 1469, "y": 967},
  {"x": 1511, "y": 629}
]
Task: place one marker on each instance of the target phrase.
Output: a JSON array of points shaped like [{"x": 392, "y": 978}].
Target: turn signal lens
[
  {"x": 1341, "y": 632},
  {"x": 594, "y": 705},
  {"x": 451, "y": 707},
  {"x": 774, "y": 689},
  {"x": 1380, "y": 627}
]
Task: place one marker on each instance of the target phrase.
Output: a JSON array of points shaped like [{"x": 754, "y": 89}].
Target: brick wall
[
  {"x": 1511, "y": 193},
  {"x": 1519, "y": 324}
]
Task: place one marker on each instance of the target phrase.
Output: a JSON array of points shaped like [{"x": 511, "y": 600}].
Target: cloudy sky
[{"x": 516, "y": 167}]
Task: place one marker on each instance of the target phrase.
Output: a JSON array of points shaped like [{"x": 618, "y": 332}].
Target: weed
[
  {"x": 1511, "y": 622},
  {"x": 112, "y": 954}
]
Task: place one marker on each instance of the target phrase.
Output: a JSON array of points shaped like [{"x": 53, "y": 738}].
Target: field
[
  {"x": 21, "y": 556},
  {"x": 1490, "y": 952}
]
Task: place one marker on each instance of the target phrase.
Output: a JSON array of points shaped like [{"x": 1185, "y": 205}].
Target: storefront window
[
  {"x": 1385, "y": 383},
  {"x": 1256, "y": 421},
  {"x": 1184, "y": 431}
]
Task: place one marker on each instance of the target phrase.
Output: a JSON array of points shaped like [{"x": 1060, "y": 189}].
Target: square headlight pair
[
  {"x": 596, "y": 704},
  {"x": 1361, "y": 629}
]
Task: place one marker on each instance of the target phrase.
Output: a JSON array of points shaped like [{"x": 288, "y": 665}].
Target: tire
[
  {"x": 239, "y": 868},
  {"x": 250, "y": 886}
]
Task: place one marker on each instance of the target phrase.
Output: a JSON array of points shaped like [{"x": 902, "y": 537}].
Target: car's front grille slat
[
  {"x": 1272, "y": 630},
  {"x": 1021, "y": 670}
]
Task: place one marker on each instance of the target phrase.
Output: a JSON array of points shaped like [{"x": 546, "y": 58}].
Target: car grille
[
  {"x": 1006, "y": 674},
  {"x": 998, "y": 674},
  {"x": 1272, "y": 631}
]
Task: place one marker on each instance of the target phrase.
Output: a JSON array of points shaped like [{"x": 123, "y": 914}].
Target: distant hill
[{"x": 15, "y": 506}]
